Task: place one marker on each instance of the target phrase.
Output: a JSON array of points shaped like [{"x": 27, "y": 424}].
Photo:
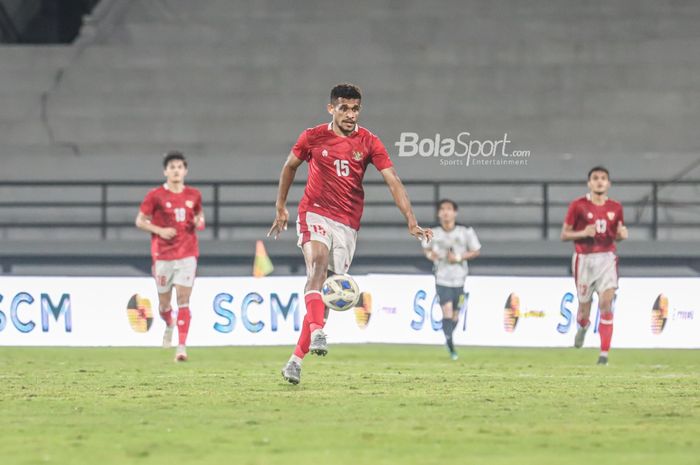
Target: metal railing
[{"x": 642, "y": 210}]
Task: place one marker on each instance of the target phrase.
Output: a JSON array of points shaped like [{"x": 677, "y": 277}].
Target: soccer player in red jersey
[
  {"x": 595, "y": 223},
  {"x": 338, "y": 154},
  {"x": 172, "y": 213}
]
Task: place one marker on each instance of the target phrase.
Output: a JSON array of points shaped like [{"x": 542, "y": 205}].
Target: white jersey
[{"x": 459, "y": 240}]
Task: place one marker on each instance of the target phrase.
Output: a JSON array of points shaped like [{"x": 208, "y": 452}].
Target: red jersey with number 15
[
  {"x": 337, "y": 166},
  {"x": 170, "y": 210},
  {"x": 607, "y": 218}
]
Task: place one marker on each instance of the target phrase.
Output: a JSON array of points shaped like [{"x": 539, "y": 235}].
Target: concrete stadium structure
[{"x": 232, "y": 83}]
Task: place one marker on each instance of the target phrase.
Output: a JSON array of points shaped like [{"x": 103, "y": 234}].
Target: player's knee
[
  {"x": 605, "y": 306},
  {"x": 317, "y": 271},
  {"x": 447, "y": 312}
]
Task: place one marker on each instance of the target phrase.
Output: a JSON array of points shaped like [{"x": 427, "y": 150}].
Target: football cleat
[
  {"x": 603, "y": 360},
  {"x": 291, "y": 372},
  {"x": 319, "y": 345},
  {"x": 454, "y": 356}
]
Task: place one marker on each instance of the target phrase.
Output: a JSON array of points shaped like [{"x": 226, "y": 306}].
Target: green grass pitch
[{"x": 363, "y": 404}]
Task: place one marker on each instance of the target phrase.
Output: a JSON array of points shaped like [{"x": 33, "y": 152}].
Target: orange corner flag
[{"x": 262, "y": 265}]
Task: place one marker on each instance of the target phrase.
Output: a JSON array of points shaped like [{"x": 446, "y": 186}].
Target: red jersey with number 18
[
  {"x": 337, "y": 166},
  {"x": 170, "y": 210},
  {"x": 606, "y": 218}
]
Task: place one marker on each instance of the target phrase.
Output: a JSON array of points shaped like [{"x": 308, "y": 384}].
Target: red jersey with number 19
[
  {"x": 606, "y": 218},
  {"x": 170, "y": 210},
  {"x": 337, "y": 166}
]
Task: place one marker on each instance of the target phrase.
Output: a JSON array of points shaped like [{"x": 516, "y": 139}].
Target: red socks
[
  {"x": 315, "y": 309},
  {"x": 313, "y": 320},
  {"x": 583, "y": 323},
  {"x": 183, "y": 324},
  {"x": 167, "y": 316},
  {"x": 605, "y": 329},
  {"x": 302, "y": 347}
]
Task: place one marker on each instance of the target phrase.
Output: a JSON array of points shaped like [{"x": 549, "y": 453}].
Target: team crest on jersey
[
  {"x": 189, "y": 203},
  {"x": 590, "y": 215},
  {"x": 324, "y": 153},
  {"x": 357, "y": 156},
  {"x": 168, "y": 205},
  {"x": 611, "y": 216}
]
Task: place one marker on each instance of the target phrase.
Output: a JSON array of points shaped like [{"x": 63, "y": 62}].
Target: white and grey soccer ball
[{"x": 340, "y": 292}]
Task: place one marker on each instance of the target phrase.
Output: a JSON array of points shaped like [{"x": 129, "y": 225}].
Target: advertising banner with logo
[{"x": 496, "y": 311}]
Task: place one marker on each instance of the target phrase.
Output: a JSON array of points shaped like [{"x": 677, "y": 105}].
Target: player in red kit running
[
  {"x": 171, "y": 213},
  {"x": 338, "y": 154},
  {"x": 595, "y": 223}
]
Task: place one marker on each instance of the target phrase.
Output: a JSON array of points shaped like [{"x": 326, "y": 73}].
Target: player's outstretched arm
[
  {"x": 398, "y": 191},
  {"x": 289, "y": 170},
  {"x": 143, "y": 222}
]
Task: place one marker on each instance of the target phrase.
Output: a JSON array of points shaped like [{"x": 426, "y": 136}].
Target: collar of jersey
[
  {"x": 588, "y": 197},
  {"x": 165, "y": 186}
]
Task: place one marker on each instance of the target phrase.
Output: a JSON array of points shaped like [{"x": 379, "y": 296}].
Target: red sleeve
[
  {"x": 571, "y": 214},
  {"x": 379, "y": 157},
  {"x": 149, "y": 204},
  {"x": 301, "y": 149}
]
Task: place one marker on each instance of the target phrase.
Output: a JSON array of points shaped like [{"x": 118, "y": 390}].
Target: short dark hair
[
  {"x": 174, "y": 155},
  {"x": 451, "y": 202},
  {"x": 345, "y": 90},
  {"x": 602, "y": 169}
]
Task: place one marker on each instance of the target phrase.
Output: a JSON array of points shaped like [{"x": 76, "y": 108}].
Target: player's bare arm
[
  {"x": 143, "y": 222},
  {"x": 398, "y": 191},
  {"x": 289, "y": 170},
  {"x": 454, "y": 258},
  {"x": 622, "y": 232},
  {"x": 199, "y": 221},
  {"x": 568, "y": 233}
]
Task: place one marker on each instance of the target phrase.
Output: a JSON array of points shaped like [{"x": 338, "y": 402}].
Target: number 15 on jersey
[{"x": 342, "y": 167}]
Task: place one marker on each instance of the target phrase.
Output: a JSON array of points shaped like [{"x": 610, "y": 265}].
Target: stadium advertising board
[{"x": 497, "y": 311}]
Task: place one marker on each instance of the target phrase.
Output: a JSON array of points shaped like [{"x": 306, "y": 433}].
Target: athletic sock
[
  {"x": 583, "y": 323},
  {"x": 295, "y": 358},
  {"x": 167, "y": 316},
  {"x": 450, "y": 344},
  {"x": 605, "y": 328},
  {"x": 183, "y": 324},
  {"x": 315, "y": 310},
  {"x": 447, "y": 328},
  {"x": 304, "y": 341},
  {"x": 454, "y": 325}
]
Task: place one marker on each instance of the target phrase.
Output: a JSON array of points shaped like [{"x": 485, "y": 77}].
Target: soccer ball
[{"x": 340, "y": 292}]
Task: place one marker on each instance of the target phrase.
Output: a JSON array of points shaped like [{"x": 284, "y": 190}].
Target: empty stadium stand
[{"x": 232, "y": 83}]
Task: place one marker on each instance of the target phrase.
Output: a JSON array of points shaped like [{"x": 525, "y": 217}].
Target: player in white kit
[{"x": 452, "y": 246}]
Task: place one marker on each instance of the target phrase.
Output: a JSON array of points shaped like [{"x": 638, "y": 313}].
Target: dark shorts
[{"x": 450, "y": 294}]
